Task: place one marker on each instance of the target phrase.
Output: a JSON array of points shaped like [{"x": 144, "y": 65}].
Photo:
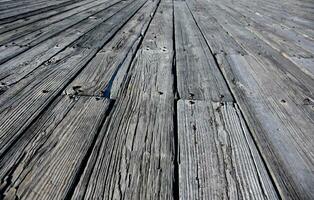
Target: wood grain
[
  {"x": 50, "y": 162},
  {"x": 24, "y": 63},
  {"x": 217, "y": 156},
  {"x": 134, "y": 160},
  {"x": 41, "y": 16},
  {"x": 38, "y": 31},
  {"x": 113, "y": 60},
  {"x": 282, "y": 125},
  {"x": 31, "y": 95},
  {"x": 156, "y": 99},
  {"x": 197, "y": 73}
]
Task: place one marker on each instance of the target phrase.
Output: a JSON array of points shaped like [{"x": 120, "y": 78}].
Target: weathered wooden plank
[
  {"x": 38, "y": 31},
  {"x": 18, "y": 4},
  {"x": 50, "y": 163},
  {"x": 279, "y": 82},
  {"x": 24, "y": 101},
  {"x": 36, "y": 135},
  {"x": 285, "y": 40},
  {"x": 135, "y": 158},
  {"x": 45, "y": 35},
  {"x": 305, "y": 64},
  {"x": 198, "y": 76},
  {"x": 18, "y": 67},
  {"x": 257, "y": 47},
  {"x": 296, "y": 47},
  {"x": 278, "y": 110},
  {"x": 216, "y": 37},
  {"x": 28, "y": 6},
  {"x": 98, "y": 76},
  {"x": 14, "y": 14},
  {"x": 91, "y": 39},
  {"x": 217, "y": 156},
  {"x": 42, "y": 16},
  {"x": 283, "y": 16}
]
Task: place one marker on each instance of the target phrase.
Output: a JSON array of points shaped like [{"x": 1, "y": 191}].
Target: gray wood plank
[
  {"x": 134, "y": 160},
  {"x": 50, "y": 163},
  {"x": 217, "y": 38},
  {"x": 198, "y": 76},
  {"x": 18, "y": 4},
  {"x": 283, "y": 16},
  {"x": 299, "y": 77},
  {"x": 285, "y": 40},
  {"x": 24, "y": 101},
  {"x": 100, "y": 74},
  {"x": 48, "y": 33},
  {"x": 279, "y": 113},
  {"x": 14, "y": 14},
  {"x": 34, "y": 32},
  {"x": 258, "y": 48},
  {"x": 217, "y": 156},
  {"x": 42, "y": 16},
  {"x": 296, "y": 47},
  {"x": 18, "y": 67}
]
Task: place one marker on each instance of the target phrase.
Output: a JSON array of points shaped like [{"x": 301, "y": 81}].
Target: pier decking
[{"x": 157, "y": 99}]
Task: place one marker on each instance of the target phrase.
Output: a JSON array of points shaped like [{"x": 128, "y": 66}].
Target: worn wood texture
[
  {"x": 9, "y": 15},
  {"x": 198, "y": 75},
  {"x": 41, "y": 16},
  {"x": 24, "y": 101},
  {"x": 24, "y": 63},
  {"x": 216, "y": 37},
  {"x": 35, "y": 32},
  {"x": 61, "y": 139},
  {"x": 134, "y": 159},
  {"x": 113, "y": 60},
  {"x": 37, "y": 37},
  {"x": 279, "y": 112},
  {"x": 48, "y": 164},
  {"x": 217, "y": 156},
  {"x": 258, "y": 36}
]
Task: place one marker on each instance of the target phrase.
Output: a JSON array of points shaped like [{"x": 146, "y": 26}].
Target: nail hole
[
  {"x": 191, "y": 95},
  {"x": 76, "y": 87},
  {"x": 307, "y": 101}
]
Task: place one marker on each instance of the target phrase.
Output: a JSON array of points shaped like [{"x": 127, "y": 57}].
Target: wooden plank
[
  {"x": 18, "y": 4},
  {"x": 26, "y": 100},
  {"x": 290, "y": 44},
  {"x": 12, "y": 15},
  {"x": 35, "y": 32},
  {"x": 135, "y": 158},
  {"x": 282, "y": 16},
  {"x": 198, "y": 76},
  {"x": 285, "y": 40},
  {"x": 217, "y": 156},
  {"x": 50, "y": 163},
  {"x": 28, "y": 5},
  {"x": 216, "y": 37},
  {"x": 278, "y": 110},
  {"x": 36, "y": 135},
  {"x": 258, "y": 48},
  {"x": 114, "y": 57},
  {"x": 18, "y": 67},
  {"x": 42, "y": 16}
]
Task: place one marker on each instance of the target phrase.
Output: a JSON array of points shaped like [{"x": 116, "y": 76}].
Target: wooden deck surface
[{"x": 157, "y": 99}]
